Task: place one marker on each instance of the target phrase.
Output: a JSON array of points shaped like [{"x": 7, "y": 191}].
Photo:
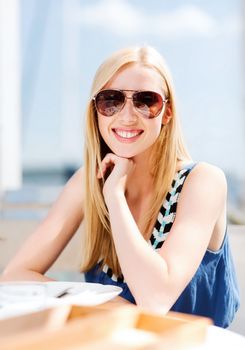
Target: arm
[
  {"x": 43, "y": 247},
  {"x": 156, "y": 280}
]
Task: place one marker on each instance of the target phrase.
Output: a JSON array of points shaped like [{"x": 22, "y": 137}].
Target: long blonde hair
[{"x": 168, "y": 149}]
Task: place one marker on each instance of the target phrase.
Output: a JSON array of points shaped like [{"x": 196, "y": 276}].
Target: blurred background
[{"x": 49, "y": 52}]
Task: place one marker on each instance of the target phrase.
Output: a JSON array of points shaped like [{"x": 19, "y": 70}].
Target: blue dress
[{"x": 213, "y": 290}]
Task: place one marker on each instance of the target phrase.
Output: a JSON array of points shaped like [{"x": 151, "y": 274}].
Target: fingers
[
  {"x": 107, "y": 162},
  {"x": 110, "y": 161}
]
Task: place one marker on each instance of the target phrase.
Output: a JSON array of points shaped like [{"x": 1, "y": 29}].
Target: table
[
  {"x": 220, "y": 338},
  {"x": 217, "y": 338}
]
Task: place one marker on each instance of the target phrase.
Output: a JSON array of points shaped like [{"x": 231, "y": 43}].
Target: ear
[{"x": 167, "y": 115}]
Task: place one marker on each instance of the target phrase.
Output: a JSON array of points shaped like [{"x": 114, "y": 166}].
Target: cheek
[
  {"x": 102, "y": 126},
  {"x": 157, "y": 127}
]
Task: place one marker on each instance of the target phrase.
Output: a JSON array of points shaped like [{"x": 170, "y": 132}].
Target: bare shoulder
[
  {"x": 75, "y": 183},
  {"x": 77, "y": 176},
  {"x": 202, "y": 200},
  {"x": 206, "y": 183},
  {"x": 70, "y": 203},
  {"x": 208, "y": 174}
]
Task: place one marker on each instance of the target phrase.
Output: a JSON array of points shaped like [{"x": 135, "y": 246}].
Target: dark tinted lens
[
  {"x": 109, "y": 102},
  {"x": 149, "y": 103}
]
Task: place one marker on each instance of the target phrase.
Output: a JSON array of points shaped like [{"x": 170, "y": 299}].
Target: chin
[{"x": 125, "y": 154}]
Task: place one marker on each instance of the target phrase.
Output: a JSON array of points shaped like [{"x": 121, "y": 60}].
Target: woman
[{"x": 139, "y": 188}]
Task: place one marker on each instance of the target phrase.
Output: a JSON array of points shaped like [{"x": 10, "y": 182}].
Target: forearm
[
  {"x": 23, "y": 275},
  {"x": 145, "y": 272}
]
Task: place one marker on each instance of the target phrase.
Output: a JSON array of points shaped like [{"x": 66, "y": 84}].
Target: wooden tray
[{"x": 92, "y": 328}]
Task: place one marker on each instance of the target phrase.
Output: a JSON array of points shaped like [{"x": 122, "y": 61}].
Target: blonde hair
[{"x": 168, "y": 149}]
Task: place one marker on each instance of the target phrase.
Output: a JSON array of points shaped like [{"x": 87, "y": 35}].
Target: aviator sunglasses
[{"x": 148, "y": 103}]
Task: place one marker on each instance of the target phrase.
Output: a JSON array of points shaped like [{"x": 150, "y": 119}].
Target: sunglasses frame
[{"x": 131, "y": 98}]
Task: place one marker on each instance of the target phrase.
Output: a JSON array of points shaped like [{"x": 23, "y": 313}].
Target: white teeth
[{"x": 127, "y": 134}]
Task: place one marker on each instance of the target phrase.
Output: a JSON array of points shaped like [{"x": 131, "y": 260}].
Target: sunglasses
[{"x": 148, "y": 103}]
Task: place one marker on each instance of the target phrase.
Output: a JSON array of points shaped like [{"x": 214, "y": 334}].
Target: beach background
[{"x": 57, "y": 47}]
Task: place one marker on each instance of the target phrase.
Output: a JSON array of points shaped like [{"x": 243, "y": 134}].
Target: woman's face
[{"x": 127, "y": 133}]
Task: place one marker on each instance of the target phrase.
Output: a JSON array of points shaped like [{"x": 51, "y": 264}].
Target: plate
[
  {"x": 81, "y": 293},
  {"x": 56, "y": 293}
]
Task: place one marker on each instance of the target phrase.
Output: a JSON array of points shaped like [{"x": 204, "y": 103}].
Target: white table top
[{"x": 220, "y": 338}]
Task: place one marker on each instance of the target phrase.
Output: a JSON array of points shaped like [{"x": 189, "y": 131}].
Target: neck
[{"x": 140, "y": 181}]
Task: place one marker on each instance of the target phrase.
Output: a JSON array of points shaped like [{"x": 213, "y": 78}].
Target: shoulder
[
  {"x": 77, "y": 177},
  {"x": 206, "y": 180},
  {"x": 74, "y": 189},
  {"x": 203, "y": 196},
  {"x": 208, "y": 173}
]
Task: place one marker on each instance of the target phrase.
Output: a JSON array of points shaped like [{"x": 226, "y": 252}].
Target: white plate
[
  {"x": 77, "y": 293},
  {"x": 82, "y": 293}
]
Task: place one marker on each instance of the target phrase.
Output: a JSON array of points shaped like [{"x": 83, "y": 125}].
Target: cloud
[
  {"x": 184, "y": 21},
  {"x": 124, "y": 19},
  {"x": 116, "y": 16}
]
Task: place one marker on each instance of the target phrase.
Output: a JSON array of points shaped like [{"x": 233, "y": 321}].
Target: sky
[{"x": 64, "y": 42}]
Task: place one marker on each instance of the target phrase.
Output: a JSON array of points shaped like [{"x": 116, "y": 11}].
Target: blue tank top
[{"x": 213, "y": 290}]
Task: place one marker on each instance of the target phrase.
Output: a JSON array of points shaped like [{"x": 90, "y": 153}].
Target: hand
[{"x": 120, "y": 169}]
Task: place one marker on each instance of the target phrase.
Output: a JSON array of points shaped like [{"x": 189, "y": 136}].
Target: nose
[{"x": 128, "y": 114}]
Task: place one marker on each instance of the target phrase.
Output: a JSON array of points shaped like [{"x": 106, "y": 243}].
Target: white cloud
[
  {"x": 184, "y": 21},
  {"x": 116, "y": 16},
  {"x": 124, "y": 19}
]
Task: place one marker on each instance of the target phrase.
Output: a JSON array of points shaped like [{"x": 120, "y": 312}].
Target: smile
[{"x": 127, "y": 134}]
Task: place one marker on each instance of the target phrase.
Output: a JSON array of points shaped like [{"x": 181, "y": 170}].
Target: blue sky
[{"x": 63, "y": 42}]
